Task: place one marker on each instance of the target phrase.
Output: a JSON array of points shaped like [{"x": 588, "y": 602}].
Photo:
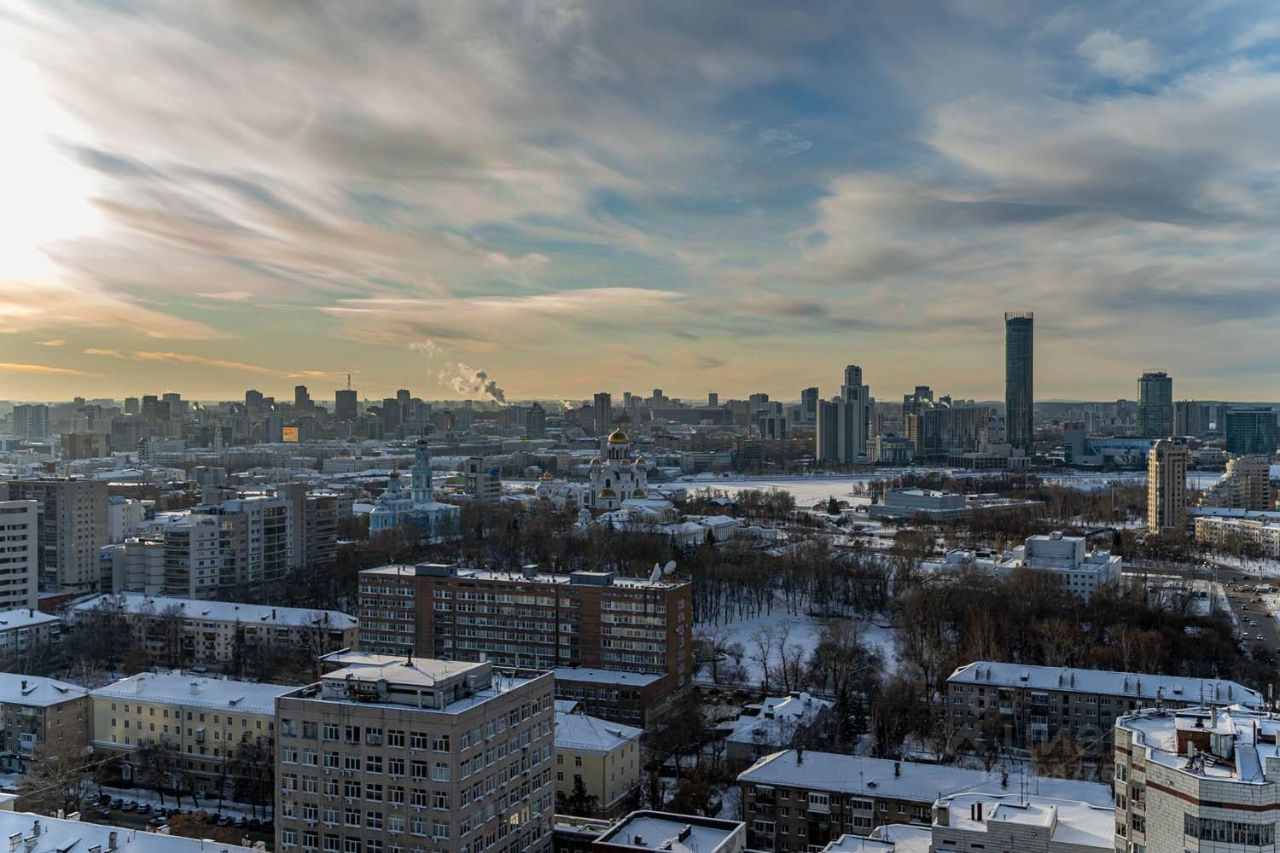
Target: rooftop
[
  {"x": 591, "y": 734},
  {"x": 1233, "y": 744},
  {"x": 243, "y": 697},
  {"x": 907, "y": 780},
  {"x": 1064, "y": 822},
  {"x": 24, "y": 617},
  {"x": 446, "y": 687},
  {"x": 1105, "y": 682},
  {"x": 220, "y": 611},
  {"x": 530, "y": 575},
  {"x": 891, "y": 838},
  {"x": 605, "y": 676},
  {"x": 54, "y": 834},
  {"x": 647, "y": 830},
  {"x": 33, "y": 690}
]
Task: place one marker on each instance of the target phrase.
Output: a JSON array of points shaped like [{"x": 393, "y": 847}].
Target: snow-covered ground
[
  {"x": 801, "y": 633},
  {"x": 1265, "y": 568}
]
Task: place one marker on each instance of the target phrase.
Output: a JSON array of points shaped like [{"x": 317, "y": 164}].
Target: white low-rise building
[
  {"x": 1024, "y": 824},
  {"x": 1082, "y": 572}
]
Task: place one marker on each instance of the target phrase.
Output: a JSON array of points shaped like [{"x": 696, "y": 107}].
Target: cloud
[
  {"x": 1111, "y": 55},
  {"x": 52, "y": 342},
  {"x": 12, "y": 367},
  {"x": 153, "y": 356},
  {"x": 493, "y": 321}
]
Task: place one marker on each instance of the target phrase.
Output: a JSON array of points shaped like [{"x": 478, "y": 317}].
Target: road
[{"x": 1250, "y": 612}]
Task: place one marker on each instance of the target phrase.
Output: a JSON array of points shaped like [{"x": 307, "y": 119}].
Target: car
[
  {"x": 1258, "y": 637},
  {"x": 117, "y": 803},
  {"x": 145, "y": 808},
  {"x": 158, "y": 821},
  {"x": 104, "y": 799},
  {"x": 102, "y": 811},
  {"x": 224, "y": 820},
  {"x": 242, "y": 822},
  {"x": 131, "y": 806}
]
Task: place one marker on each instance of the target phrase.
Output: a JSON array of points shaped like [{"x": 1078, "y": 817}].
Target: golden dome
[
  {"x": 607, "y": 493},
  {"x": 640, "y": 493},
  {"x": 618, "y": 437}
]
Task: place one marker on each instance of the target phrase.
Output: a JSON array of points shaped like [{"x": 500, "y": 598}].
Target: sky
[{"x": 568, "y": 197}]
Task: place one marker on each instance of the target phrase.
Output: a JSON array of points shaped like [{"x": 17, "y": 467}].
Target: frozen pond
[{"x": 809, "y": 490}]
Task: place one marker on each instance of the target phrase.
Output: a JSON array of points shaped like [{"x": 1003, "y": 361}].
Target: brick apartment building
[{"x": 588, "y": 626}]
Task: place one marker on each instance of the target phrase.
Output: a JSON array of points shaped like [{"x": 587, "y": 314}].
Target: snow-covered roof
[
  {"x": 241, "y": 697},
  {"x": 33, "y": 690},
  {"x": 24, "y": 617},
  {"x": 591, "y": 734},
  {"x": 890, "y": 838},
  {"x": 221, "y": 611},
  {"x": 1064, "y": 823},
  {"x": 1141, "y": 685},
  {"x": 604, "y": 676},
  {"x": 677, "y": 833},
  {"x": 777, "y": 721},
  {"x": 51, "y": 833},
  {"x": 906, "y": 780}
]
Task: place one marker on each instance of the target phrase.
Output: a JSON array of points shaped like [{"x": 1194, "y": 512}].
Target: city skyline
[{"x": 568, "y": 198}]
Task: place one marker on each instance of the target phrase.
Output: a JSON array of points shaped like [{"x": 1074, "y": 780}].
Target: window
[
  {"x": 440, "y": 743},
  {"x": 440, "y": 772}
]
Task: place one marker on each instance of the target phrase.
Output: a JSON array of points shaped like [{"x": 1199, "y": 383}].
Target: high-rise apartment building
[
  {"x": 1155, "y": 404},
  {"x": 31, "y": 421},
  {"x": 1245, "y": 485},
  {"x": 826, "y": 437},
  {"x": 602, "y": 414},
  {"x": 1192, "y": 418},
  {"x": 1167, "y": 488},
  {"x": 20, "y": 556},
  {"x": 72, "y": 530},
  {"x": 1251, "y": 431},
  {"x": 1019, "y": 380},
  {"x": 403, "y": 753},
  {"x": 1196, "y": 779}
]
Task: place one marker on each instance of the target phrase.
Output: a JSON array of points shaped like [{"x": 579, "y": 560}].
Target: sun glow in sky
[
  {"x": 45, "y": 197},
  {"x": 731, "y": 195}
]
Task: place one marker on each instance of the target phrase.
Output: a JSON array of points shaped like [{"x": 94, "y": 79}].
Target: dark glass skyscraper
[
  {"x": 1155, "y": 404},
  {"x": 1251, "y": 431},
  {"x": 1019, "y": 396}
]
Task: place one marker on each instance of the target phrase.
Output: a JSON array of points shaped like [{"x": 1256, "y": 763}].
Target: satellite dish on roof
[
  {"x": 657, "y": 574},
  {"x": 669, "y": 567}
]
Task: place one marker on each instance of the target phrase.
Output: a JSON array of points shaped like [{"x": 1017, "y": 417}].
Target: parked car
[
  {"x": 145, "y": 808},
  {"x": 117, "y": 803},
  {"x": 131, "y": 806}
]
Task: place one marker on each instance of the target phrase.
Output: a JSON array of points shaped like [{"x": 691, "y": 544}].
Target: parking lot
[{"x": 132, "y": 814}]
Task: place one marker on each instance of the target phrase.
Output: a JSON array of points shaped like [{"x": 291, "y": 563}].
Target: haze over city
[{"x": 212, "y": 196}]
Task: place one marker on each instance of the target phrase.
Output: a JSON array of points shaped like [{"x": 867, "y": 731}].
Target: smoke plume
[{"x": 465, "y": 379}]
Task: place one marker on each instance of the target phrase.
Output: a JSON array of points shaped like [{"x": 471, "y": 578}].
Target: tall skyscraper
[
  {"x": 535, "y": 424},
  {"x": 1167, "y": 488},
  {"x": 1155, "y": 404},
  {"x": 31, "y": 421},
  {"x": 1019, "y": 378},
  {"x": 345, "y": 405},
  {"x": 602, "y": 414},
  {"x": 20, "y": 558},
  {"x": 301, "y": 397},
  {"x": 713, "y": 399},
  {"x": 1251, "y": 431},
  {"x": 856, "y": 417},
  {"x": 809, "y": 405},
  {"x": 826, "y": 444}
]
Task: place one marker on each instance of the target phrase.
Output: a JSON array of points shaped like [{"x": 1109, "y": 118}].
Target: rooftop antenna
[{"x": 348, "y": 381}]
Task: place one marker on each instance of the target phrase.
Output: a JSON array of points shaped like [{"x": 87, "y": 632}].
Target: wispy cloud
[
  {"x": 153, "y": 356},
  {"x": 42, "y": 369}
]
